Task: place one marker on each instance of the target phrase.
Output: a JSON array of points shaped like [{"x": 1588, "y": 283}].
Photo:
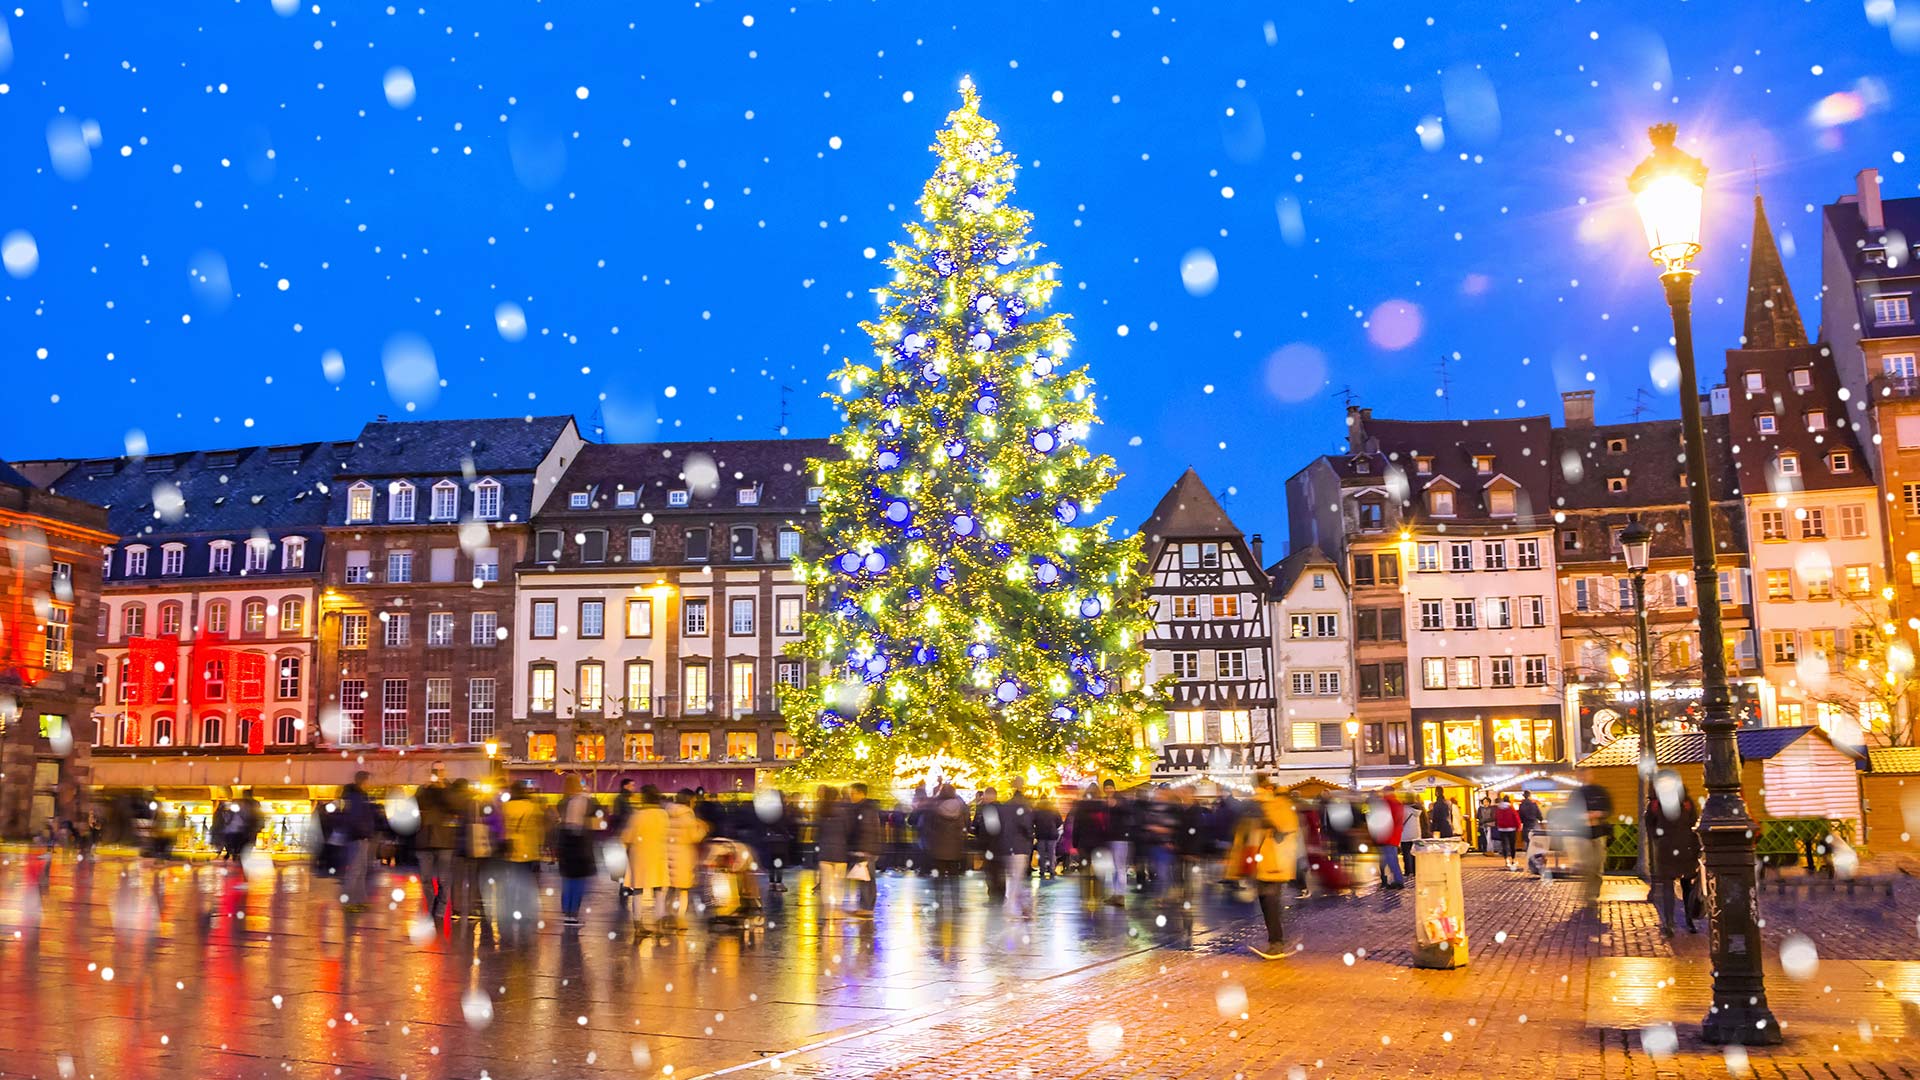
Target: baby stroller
[{"x": 733, "y": 889}]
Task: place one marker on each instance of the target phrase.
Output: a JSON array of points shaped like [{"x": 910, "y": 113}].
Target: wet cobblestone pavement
[{"x": 121, "y": 976}]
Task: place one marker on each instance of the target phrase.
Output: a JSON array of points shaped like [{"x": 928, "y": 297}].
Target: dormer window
[
  {"x": 1887, "y": 311},
  {"x": 1440, "y": 502},
  {"x": 1483, "y": 464},
  {"x": 814, "y": 493},
  {"x": 577, "y": 500},
  {"x": 446, "y": 500},
  {"x": 1616, "y": 485},
  {"x": 220, "y": 557},
  {"x": 486, "y": 500},
  {"x": 399, "y": 501},
  {"x": 1840, "y": 461},
  {"x": 1423, "y": 465},
  {"x": 1802, "y": 378},
  {"x": 1500, "y": 502},
  {"x": 1756, "y": 383},
  {"x": 1616, "y": 446},
  {"x": 1789, "y": 464},
  {"x": 1874, "y": 256},
  {"x": 749, "y": 496},
  {"x": 1768, "y": 424},
  {"x": 677, "y": 498},
  {"x": 360, "y": 503},
  {"x": 1361, "y": 466},
  {"x": 625, "y": 499}
]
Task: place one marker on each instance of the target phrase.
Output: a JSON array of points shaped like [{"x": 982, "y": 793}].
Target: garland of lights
[{"x": 968, "y": 606}]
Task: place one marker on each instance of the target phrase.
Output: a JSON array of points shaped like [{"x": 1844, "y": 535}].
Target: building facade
[
  {"x": 426, "y": 523},
  {"x": 1313, "y": 667},
  {"x": 1209, "y": 599},
  {"x": 50, "y": 560},
  {"x": 654, "y": 615}
]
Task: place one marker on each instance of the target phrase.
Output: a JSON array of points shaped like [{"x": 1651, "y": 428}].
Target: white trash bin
[{"x": 1439, "y": 907}]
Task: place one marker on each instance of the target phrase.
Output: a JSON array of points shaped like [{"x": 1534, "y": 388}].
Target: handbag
[
  {"x": 1695, "y": 897},
  {"x": 859, "y": 872}
]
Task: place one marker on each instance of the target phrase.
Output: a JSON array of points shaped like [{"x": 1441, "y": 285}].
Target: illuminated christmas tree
[{"x": 967, "y": 601}]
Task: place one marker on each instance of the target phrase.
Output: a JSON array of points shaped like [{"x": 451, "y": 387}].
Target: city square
[{"x": 1023, "y": 541}]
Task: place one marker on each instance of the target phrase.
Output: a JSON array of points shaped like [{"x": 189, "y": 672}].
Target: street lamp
[
  {"x": 1668, "y": 190},
  {"x": 1353, "y": 747},
  {"x": 1636, "y": 543}
]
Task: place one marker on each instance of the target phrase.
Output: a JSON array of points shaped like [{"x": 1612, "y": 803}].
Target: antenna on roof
[
  {"x": 782, "y": 429},
  {"x": 1641, "y": 405},
  {"x": 597, "y": 426},
  {"x": 1347, "y": 397},
  {"x": 1446, "y": 384}
]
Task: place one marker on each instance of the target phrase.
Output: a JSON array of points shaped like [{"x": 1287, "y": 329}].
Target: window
[
  {"x": 542, "y": 746},
  {"x": 393, "y": 712},
  {"x": 748, "y": 496},
  {"x": 1616, "y": 485},
  {"x": 253, "y": 617},
  {"x": 695, "y": 746},
  {"x": 440, "y": 564},
  {"x": 1483, "y": 464},
  {"x": 1236, "y": 726},
  {"x": 1726, "y": 587},
  {"x": 1326, "y": 625},
  {"x": 293, "y": 613},
  {"x": 1452, "y": 742},
  {"x": 1369, "y": 681},
  {"x": 677, "y": 498},
  {"x": 1910, "y": 497},
  {"x": 695, "y": 683},
  {"x": 162, "y": 729},
  {"x": 358, "y": 572},
  {"x": 1500, "y": 670},
  {"x": 446, "y": 500},
  {"x": 211, "y": 733},
  {"x": 1389, "y": 565},
  {"x": 1816, "y": 420},
  {"x": 540, "y": 688},
  {"x": 1314, "y": 735},
  {"x": 639, "y": 746},
  {"x": 593, "y": 618},
  {"x": 1519, "y": 740},
  {"x": 1819, "y": 581},
  {"x": 593, "y": 545},
  {"x": 1362, "y": 571},
  {"x": 169, "y": 619},
  {"x": 1755, "y": 382},
  {"x": 1301, "y": 683},
  {"x": 399, "y": 501},
  {"x": 1859, "y": 580},
  {"x": 1329, "y": 683},
  {"x": 1569, "y": 540},
  {"x": 1299, "y": 626},
  {"x": 353, "y": 710},
  {"x": 1801, "y": 378},
  {"x": 1432, "y": 615},
  {"x": 1186, "y": 665},
  {"x": 439, "y": 710},
  {"x": 743, "y": 745},
  {"x": 1433, "y": 673},
  {"x": 1427, "y": 555},
  {"x": 639, "y": 691},
  {"x": 1853, "y": 522},
  {"x": 1583, "y": 598},
  {"x": 1891, "y": 310},
  {"x": 547, "y": 544},
  {"x": 1370, "y": 515},
  {"x": 1533, "y": 611},
  {"x": 1526, "y": 554},
  {"x": 1465, "y": 615},
  {"x": 1460, "y": 555},
  {"x": 439, "y": 628},
  {"x": 814, "y": 493},
  {"x": 1900, "y": 368},
  {"x": 486, "y": 500},
  {"x": 1789, "y": 464},
  {"x": 1779, "y": 584},
  {"x": 484, "y": 629},
  {"x": 694, "y": 618},
  {"x": 399, "y": 567},
  {"x": 1226, "y": 606},
  {"x": 577, "y": 500},
  {"x": 1493, "y": 555},
  {"x": 1783, "y": 646},
  {"x": 1767, "y": 423},
  {"x": 786, "y": 611},
  {"x": 1822, "y": 647},
  {"x": 1534, "y": 670},
  {"x": 1773, "y": 524},
  {"x": 1186, "y": 726},
  {"x": 741, "y": 620},
  {"x": 639, "y": 545},
  {"x": 1366, "y": 624},
  {"x": 590, "y": 687},
  {"x": 360, "y": 503},
  {"x": 219, "y": 557},
  {"x": 173, "y": 560},
  {"x": 1440, "y": 502},
  {"x": 1466, "y": 672},
  {"x": 399, "y": 629},
  {"x": 1186, "y": 607},
  {"x": 1623, "y": 594},
  {"x": 1393, "y": 679},
  {"x": 1813, "y": 524},
  {"x": 626, "y": 499},
  {"x": 1616, "y": 446},
  {"x": 486, "y": 565},
  {"x": 697, "y": 545},
  {"x": 1392, "y": 624},
  {"x": 353, "y": 631},
  {"x": 1840, "y": 461},
  {"x": 1423, "y": 465},
  {"x": 56, "y": 652},
  {"x": 1232, "y": 664},
  {"x": 789, "y": 547},
  {"x": 546, "y": 618},
  {"x": 740, "y": 686},
  {"x": 257, "y": 553},
  {"x": 790, "y": 673},
  {"x": 639, "y": 618},
  {"x": 1499, "y": 613},
  {"x": 136, "y": 562},
  {"x": 480, "y": 706},
  {"x": 1682, "y": 589}
]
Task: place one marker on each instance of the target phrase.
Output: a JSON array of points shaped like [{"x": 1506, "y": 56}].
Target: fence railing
[{"x": 1777, "y": 842}]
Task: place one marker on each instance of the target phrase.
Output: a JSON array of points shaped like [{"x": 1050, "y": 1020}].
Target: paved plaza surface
[{"x": 120, "y": 976}]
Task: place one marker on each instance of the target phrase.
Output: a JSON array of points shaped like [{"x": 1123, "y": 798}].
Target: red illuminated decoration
[
  {"x": 151, "y": 675},
  {"x": 256, "y": 730}
]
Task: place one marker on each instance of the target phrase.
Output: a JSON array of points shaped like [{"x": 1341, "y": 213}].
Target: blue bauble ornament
[
  {"x": 963, "y": 524},
  {"x": 1046, "y": 574},
  {"x": 979, "y": 651},
  {"x": 1044, "y": 440},
  {"x": 1007, "y": 691},
  {"x": 830, "y": 719},
  {"x": 925, "y": 654},
  {"x": 889, "y": 429},
  {"x": 875, "y": 667},
  {"x": 1097, "y": 685},
  {"x": 927, "y": 303},
  {"x": 983, "y": 302},
  {"x": 848, "y": 562},
  {"x": 956, "y": 449},
  {"x": 1090, "y": 608},
  {"x": 913, "y": 593},
  {"x": 1042, "y": 366},
  {"x": 891, "y": 400},
  {"x": 886, "y": 459},
  {"x": 981, "y": 248},
  {"x": 883, "y": 726},
  {"x": 986, "y": 404},
  {"x": 1066, "y": 510},
  {"x": 1014, "y": 307},
  {"x": 1062, "y": 714},
  {"x": 1080, "y": 662},
  {"x": 912, "y": 346},
  {"x": 1002, "y": 550},
  {"x": 980, "y": 342},
  {"x": 874, "y": 563},
  {"x": 930, "y": 372},
  {"x": 945, "y": 264},
  {"x": 942, "y": 576},
  {"x": 1007, "y": 255},
  {"x": 897, "y": 512}
]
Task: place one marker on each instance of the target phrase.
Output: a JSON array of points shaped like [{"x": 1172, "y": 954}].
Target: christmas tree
[{"x": 968, "y": 606}]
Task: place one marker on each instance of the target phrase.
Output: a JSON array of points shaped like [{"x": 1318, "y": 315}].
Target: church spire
[{"x": 1773, "y": 320}]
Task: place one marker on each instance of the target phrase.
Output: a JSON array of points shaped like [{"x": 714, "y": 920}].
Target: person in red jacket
[
  {"x": 1386, "y": 818},
  {"x": 1506, "y": 827}
]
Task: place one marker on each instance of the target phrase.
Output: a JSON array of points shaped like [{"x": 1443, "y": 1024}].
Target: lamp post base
[{"x": 1741, "y": 1024}]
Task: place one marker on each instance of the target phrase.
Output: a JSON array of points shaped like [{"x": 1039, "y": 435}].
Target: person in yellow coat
[
  {"x": 685, "y": 831},
  {"x": 528, "y": 825},
  {"x": 1266, "y": 851},
  {"x": 646, "y": 840}
]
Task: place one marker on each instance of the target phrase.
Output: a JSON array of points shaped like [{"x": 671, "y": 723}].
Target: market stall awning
[{"x": 1422, "y": 779}]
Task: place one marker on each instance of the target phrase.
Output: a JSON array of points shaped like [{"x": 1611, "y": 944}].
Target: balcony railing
[
  {"x": 676, "y": 706},
  {"x": 1895, "y": 386}
]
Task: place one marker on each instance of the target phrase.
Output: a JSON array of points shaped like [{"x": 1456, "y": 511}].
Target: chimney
[
  {"x": 1259, "y": 562},
  {"x": 380, "y": 418},
  {"x": 1357, "y": 418},
  {"x": 1871, "y": 214},
  {"x": 1578, "y": 406}
]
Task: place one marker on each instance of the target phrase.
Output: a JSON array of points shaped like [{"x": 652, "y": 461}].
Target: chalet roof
[
  {"x": 1189, "y": 510},
  {"x": 1854, "y": 240},
  {"x": 1519, "y": 447},
  {"x": 719, "y": 469},
  {"x": 1690, "y": 747},
  {"x": 1287, "y": 571},
  {"x": 435, "y": 447},
  {"x": 1584, "y": 460},
  {"x": 1894, "y": 760},
  {"x": 1773, "y": 319}
]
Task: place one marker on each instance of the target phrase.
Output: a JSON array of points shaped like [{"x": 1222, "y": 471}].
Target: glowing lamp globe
[
  {"x": 1668, "y": 189},
  {"x": 1636, "y": 544}
]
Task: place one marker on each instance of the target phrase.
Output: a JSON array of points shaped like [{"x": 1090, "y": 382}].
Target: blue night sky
[{"x": 237, "y": 211}]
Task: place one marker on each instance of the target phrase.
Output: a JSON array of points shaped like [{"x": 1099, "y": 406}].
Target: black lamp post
[
  {"x": 1636, "y": 543},
  {"x": 1668, "y": 188}
]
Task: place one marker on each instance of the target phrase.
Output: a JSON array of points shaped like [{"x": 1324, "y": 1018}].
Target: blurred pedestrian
[
  {"x": 439, "y": 829},
  {"x": 647, "y": 879},
  {"x": 526, "y": 829},
  {"x": 1673, "y": 848},
  {"x": 1411, "y": 829},
  {"x": 943, "y": 828},
  {"x": 1386, "y": 821},
  {"x": 1440, "y": 818},
  {"x": 831, "y": 844},
  {"x": 866, "y": 836},
  {"x": 989, "y": 835},
  {"x": 1263, "y": 852},
  {"x": 1590, "y": 849},
  {"x": 360, "y": 826},
  {"x": 1530, "y": 818},
  {"x": 1483, "y": 825},
  {"x": 573, "y": 847},
  {"x": 776, "y": 837},
  {"x": 1120, "y": 825},
  {"x": 1506, "y": 829},
  {"x": 1046, "y": 837},
  {"x": 1088, "y": 826},
  {"x": 685, "y": 832}
]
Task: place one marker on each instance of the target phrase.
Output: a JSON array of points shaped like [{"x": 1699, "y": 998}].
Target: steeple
[{"x": 1773, "y": 320}]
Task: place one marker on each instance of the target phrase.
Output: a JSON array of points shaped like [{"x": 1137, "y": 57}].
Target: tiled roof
[
  {"x": 1519, "y": 447},
  {"x": 1690, "y": 747},
  {"x": 1773, "y": 319},
  {"x": 11, "y": 475},
  {"x": 221, "y": 492},
  {"x": 1584, "y": 460},
  {"x": 435, "y": 447},
  {"x": 1854, "y": 239},
  {"x": 711, "y": 472},
  {"x": 1758, "y": 453},
  {"x": 1288, "y": 570},
  {"x": 1189, "y": 510},
  {"x": 1895, "y": 760}
]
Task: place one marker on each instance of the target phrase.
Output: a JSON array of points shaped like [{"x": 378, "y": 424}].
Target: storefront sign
[{"x": 1609, "y": 712}]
